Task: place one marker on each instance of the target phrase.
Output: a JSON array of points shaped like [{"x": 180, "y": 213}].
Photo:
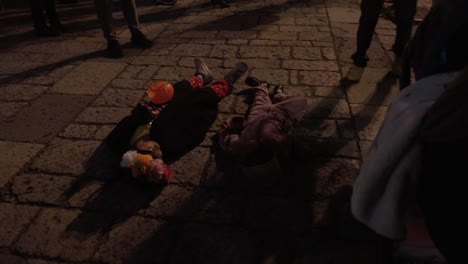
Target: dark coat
[{"x": 183, "y": 124}]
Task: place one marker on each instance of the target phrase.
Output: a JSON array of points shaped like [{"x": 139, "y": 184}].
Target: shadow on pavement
[{"x": 232, "y": 219}]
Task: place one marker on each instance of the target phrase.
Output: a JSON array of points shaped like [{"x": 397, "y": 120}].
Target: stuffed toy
[{"x": 146, "y": 167}]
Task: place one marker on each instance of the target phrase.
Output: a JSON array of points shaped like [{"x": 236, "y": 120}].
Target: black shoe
[
  {"x": 140, "y": 40},
  {"x": 278, "y": 89},
  {"x": 56, "y": 24},
  {"x": 114, "y": 50},
  {"x": 166, "y": 2},
  {"x": 203, "y": 70},
  {"x": 59, "y": 27},
  {"x": 221, "y": 3},
  {"x": 47, "y": 32},
  {"x": 234, "y": 75},
  {"x": 254, "y": 82}
]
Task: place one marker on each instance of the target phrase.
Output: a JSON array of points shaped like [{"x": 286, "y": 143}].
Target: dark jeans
[
  {"x": 104, "y": 13},
  {"x": 41, "y": 7},
  {"x": 370, "y": 12}
]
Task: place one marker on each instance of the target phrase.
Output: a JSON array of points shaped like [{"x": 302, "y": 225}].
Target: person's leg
[
  {"x": 260, "y": 101},
  {"x": 104, "y": 14},
  {"x": 295, "y": 105},
  {"x": 131, "y": 15},
  {"x": 51, "y": 12},
  {"x": 370, "y": 12},
  {"x": 37, "y": 12},
  {"x": 202, "y": 77},
  {"x": 404, "y": 12}
]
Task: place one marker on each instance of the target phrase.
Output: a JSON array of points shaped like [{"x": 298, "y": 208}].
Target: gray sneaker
[
  {"x": 354, "y": 73},
  {"x": 234, "y": 75},
  {"x": 204, "y": 71}
]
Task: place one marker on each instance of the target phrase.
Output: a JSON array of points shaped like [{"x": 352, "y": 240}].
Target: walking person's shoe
[
  {"x": 47, "y": 32},
  {"x": 254, "y": 82},
  {"x": 166, "y": 2},
  {"x": 114, "y": 50},
  {"x": 354, "y": 73},
  {"x": 139, "y": 39},
  {"x": 203, "y": 71},
  {"x": 234, "y": 75}
]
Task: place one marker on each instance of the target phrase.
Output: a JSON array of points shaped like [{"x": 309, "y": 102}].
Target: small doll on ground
[{"x": 174, "y": 122}]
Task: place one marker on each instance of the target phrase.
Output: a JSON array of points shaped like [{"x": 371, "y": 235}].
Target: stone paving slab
[
  {"x": 20, "y": 92},
  {"x": 65, "y": 156},
  {"x": 20, "y": 67},
  {"x": 51, "y": 77},
  {"x": 344, "y": 15},
  {"x": 79, "y": 131},
  {"x": 14, "y": 220},
  {"x": 377, "y": 55},
  {"x": 133, "y": 238},
  {"x": 119, "y": 98},
  {"x": 208, "y": 244},
  {"x": 9, "y": 109},
  {"x": 13, "y": 156},
  {"x": 377, "y": 87},
  {"x": 190, "y": 167},
  {"x": 103, "y": 115},
  {"x": 40, "y": 188},
  {"x": 59, "y": 233},
  {"x": 62, "y": 47},
  {"x": 368, "y": 119},
  {"x": 44, "y": 118},
  {"x": 88, "y": 78}
]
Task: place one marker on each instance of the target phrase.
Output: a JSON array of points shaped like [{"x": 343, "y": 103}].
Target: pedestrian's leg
[
  {"x": 404, "y": 13},
  {"x": 104, "y": 14},
  {"x": 37, "y": 12},
  {"x": 370, "y": 12},
  {"x": 51, "y": 12},
  {"x": 130, "y": 13}
]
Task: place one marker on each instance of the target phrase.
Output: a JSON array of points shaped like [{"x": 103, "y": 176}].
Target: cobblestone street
[{"x": 60, "y": 98}]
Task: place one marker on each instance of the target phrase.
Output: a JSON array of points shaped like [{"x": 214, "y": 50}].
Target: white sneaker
[{"x": 355, "y": 73}]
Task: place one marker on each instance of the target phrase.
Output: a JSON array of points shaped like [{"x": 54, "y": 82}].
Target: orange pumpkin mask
[{"x": 160, "y": 92}]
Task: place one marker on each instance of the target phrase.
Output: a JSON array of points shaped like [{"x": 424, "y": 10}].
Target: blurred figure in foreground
[{"x": 418, "y": 157}]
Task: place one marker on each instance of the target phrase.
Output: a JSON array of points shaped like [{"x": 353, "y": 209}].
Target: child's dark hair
[{"x": 440, "y": 43}]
